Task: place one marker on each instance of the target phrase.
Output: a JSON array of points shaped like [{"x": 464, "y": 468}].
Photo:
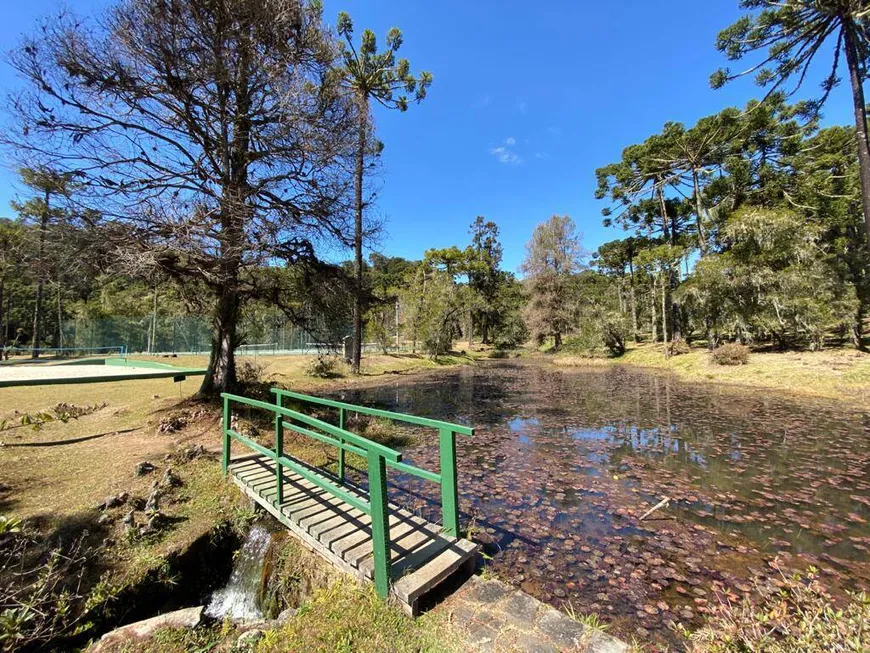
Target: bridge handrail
[
  {"x": 446, "y": 477},
  {"x": 377, "y": 456},
  {"x": 377, "y": 412},
  {"x": 364, "y": 443}
]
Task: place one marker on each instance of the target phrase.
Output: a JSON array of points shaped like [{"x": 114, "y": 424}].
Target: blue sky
[{"x": 529, "y": 98}]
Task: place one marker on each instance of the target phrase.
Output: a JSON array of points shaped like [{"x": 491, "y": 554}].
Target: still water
[{"x": 565, "y": 461}]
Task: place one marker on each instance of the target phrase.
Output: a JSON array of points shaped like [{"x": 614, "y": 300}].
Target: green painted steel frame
[
  {"x": 446, "y": 443},
  {"x": 376, "y": 454}
]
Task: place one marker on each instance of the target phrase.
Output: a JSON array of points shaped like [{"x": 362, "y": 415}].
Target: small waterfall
[{"x": 238, "y": 598}]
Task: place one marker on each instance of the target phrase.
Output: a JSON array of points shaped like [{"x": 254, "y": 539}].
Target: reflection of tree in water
[{"x": 564, "y": 462}]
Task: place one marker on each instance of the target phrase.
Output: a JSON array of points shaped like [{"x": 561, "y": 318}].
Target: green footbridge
[{"x": 358, "y": 530}]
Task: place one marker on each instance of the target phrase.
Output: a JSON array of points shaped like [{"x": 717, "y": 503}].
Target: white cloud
[
  {"x": 506, "y": 156},
  {"x": 522, "y": 106},
  {"x": 542, "y": 155},
  {"x": 483, "y": 102},
  {"x": 510, "y": 140},
  {"x": 554, "y": 131}
]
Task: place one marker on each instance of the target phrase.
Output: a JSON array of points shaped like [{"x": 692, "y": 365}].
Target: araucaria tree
[
  {"x": 553, "y": 256},
  {"x": 41, "y": 211},
  {"x": 483, "y": 259},
  {"x": 794, "y": 33},
  {"x": 207, "y": 135},
  {"x": 379, "y": 76}
]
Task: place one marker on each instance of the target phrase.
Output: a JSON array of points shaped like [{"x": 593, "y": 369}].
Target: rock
[
  {"x": 104, "y": 520},
  {"x": 285, "y": 616},
  {"x": 170, "y": 479},
  {"x": 156, "y": 521},
  {"x": 114, "y": 501},
  {"x": 193, "y": 452},
  {"x": 186, "y": 618},
  {"x": 248, "y": 639},
  {"x": 130, "y": 521},
  {"x": 144, "y": 468},
  {"x": 153, "y": 502}
]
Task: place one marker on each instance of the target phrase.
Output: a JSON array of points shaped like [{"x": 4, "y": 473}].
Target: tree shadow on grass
[{"x": 6, "y": 500}]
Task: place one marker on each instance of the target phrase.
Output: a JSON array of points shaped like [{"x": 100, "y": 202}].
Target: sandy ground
[{"x": 30, "y": 373}]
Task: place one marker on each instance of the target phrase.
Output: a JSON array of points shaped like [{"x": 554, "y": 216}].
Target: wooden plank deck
[{"x": 421, "y": 556}]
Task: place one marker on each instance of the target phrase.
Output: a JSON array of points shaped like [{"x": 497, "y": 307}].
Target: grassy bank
[
  {"x": 841, "y": 374},
  {"x": 55, "y": 473}
]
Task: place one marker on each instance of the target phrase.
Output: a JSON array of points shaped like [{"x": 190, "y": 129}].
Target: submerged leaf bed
[{"x": 565, "y": 462}]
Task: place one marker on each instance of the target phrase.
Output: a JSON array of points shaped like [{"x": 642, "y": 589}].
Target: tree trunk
[
  {"x": 40, "y": 282},
  {"x": 557, "y": 341},
  {"x": 622, "y": 309},
  {"x": 37, "y": 320},
  {"x": 653, "y": 317},
  {"x": 2, "y": 315},
  {"x": 356, "y": 358},
  {"x": 152, "y": 331},
  {"x": 858, "y": 103},
  {"x": 470, "y": 328},
  {"x": 665, "y": 312},
  {"x": 634, "y": 331},
  {"x": 857, "y": 329},
  {"x": 221, "y": 373},
  {"x": 663, "y": 208},
  {"x": 397, "y": 325},
  {"x": 6, "y": 315},
  {"x": 59, "y": 316},
  {"x": 699, "y": 210}
]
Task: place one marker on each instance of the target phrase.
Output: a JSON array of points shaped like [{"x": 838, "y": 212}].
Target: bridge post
[
  {"x": 380, "y": 523},
  {"x": 449, "y": 505},
  {"x": 226, "y": 428},
  {"x": 279, "y": 451},
  {"x": 340, "y": 450}
]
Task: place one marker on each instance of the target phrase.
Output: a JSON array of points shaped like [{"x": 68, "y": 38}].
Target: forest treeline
[
  {"x": 419, "y": 306},
  {"x": 205, "y": 159},
  {"x": 746, "y": 226}
]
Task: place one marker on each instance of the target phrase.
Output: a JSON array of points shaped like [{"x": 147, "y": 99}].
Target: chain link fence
[{"x": 191, "y": 334}]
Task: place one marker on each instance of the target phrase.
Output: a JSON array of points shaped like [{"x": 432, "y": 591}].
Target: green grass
[{"x": 346, "y": 617}]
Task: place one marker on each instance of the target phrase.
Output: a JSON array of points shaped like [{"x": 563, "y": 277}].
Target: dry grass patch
[{"x": 842, "y": 374}]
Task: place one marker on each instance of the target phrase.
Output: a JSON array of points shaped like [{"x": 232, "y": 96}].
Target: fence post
[
  {"x": 449, "y": 507},
  {"x": 226, "y": 429},
  {"x": 279, "y": 451},
  {"x": 340, "y": 450},
  {"x": 380, "y": 523}
]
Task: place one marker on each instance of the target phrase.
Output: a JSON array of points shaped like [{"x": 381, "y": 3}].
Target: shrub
[
  {"x": 793, "y": 614},
  {"x": 43, "y": 592},
  {"x": 250, "y": 372},
  {"x": 731, "y": 354},
  {"x": 325, "y": 366},
  {"x": 602, "y": 335},
  {"x": 613, "y": 335},
  {"x": 678, "y": 347}
]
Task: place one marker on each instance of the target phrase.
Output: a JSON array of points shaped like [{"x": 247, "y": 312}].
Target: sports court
[{"x": 56, "y": 371}]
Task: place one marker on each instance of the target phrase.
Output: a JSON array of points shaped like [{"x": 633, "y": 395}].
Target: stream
[
  {"x": 239, "y": 598},
  {"x": 565, "y": 461}
]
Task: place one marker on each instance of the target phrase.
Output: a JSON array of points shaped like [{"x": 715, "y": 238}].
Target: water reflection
[{"x": 564, "y": 462}]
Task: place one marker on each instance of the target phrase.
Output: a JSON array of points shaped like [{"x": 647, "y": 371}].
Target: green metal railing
[
  {"x": 446, "y": 477},
  {"x": 377, "y": 456}
]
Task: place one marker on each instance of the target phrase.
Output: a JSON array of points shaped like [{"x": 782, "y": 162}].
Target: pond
[{"x": 565, "y": 461}]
